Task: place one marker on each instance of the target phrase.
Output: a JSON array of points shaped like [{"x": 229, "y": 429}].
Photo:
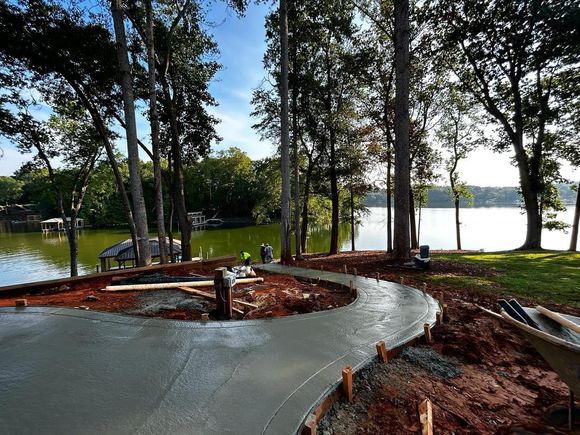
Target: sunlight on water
[{"x": 26, "y": 257}]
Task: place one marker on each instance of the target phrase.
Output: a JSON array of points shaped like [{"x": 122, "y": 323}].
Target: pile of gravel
[{"x": 431, "y": 361}]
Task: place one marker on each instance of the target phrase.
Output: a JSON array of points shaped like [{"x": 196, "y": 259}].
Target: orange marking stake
[
  {"x": 426, "y": 417},
  {"x": 427, "y": 329},
  {"x": 347, "y": 382},
  {"x": 382, "y": 352},
  {"x": 310, "y": 425}
]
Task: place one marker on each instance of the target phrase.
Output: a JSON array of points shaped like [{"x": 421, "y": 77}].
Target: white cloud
[{"x": 235, "y": 129}]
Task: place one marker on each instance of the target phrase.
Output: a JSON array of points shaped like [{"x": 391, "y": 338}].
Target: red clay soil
[
  {"x": 277, "y": 296},
  {"x": 504, "y": 385}
]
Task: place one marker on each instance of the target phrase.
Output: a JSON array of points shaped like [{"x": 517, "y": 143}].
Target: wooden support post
[
  {"x": 445, "y": 311},
  {"x": 354, "y": 272},
  {"x": 345, "y": 269},
  {"x": 310, "y": 425},
  {"x": 378, "y": 276},
  {"x": 382, "y": 352},
  {"x": 426, "y": 417},
  {"x": 402, "y": 280},
  {"x": 424, "y": 287},
  {"x": 351, "y": 289},
  {"x": 439, "y": 317},
  {"x": 204, "y": 317},
  {"x": 427, "y": 329},
  {"x": 347, "y": 382},
  {"x": 21, "y": 302},
  {"x": 223, "y": 294}
]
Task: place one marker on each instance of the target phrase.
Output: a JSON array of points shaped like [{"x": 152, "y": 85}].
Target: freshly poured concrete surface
[{"x": 85, "y": 372}]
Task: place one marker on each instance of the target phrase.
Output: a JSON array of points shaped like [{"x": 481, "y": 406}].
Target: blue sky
[{"x": 241, "y": 42}]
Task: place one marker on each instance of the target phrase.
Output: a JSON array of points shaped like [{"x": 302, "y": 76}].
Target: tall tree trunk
[
  {"x": 402, "y": 175},
  {"x": 533, "y": 214},
  {"x": 412, "y": 221},
  {"x": 73, "y": 246},
  {"x": 334, "y": 198},
  {"x": 389, "y": 205},
  {"x": 297, "y": 228},
  {"x": 304, "y": 229},
  {"x": 154, "y": 122},
  {"x": 285, "y": 248},
  {"x": 140, "y": 213},
  {"x": 352, "y": 244},
  {"x": 457, "y": 224},
  {"x": 574, "y": 235},
  {"x": 178, "y": 184}
]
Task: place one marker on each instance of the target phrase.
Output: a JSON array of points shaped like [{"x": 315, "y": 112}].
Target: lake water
[{"x": 26, "y": 257}]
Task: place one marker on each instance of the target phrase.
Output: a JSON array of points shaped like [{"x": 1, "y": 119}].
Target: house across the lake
[{"x": 57, "y": 224}]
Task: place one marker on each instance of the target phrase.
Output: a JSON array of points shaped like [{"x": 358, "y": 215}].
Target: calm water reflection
[{"x": 26, "y": 257}]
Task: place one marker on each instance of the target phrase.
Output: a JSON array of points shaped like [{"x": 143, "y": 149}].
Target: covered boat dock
[{"x": 124, "y": 255}]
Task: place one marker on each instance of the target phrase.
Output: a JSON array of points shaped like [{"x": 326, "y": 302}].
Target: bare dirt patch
[{"x": 277, "y": 296}]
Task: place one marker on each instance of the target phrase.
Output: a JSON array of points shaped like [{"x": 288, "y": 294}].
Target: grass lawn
[{"x": 546, "y": 276}]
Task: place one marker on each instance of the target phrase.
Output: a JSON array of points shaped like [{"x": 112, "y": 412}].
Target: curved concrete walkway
[{"x": 87, "y": 372}]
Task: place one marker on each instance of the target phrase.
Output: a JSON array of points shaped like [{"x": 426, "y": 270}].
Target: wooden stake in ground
[
  {"x": 439, "y": 317},
  {"x": 354, "y": 271},
  {"x": 426, "y": 417},
  {"x": 382, "y": 352},
  {"x": 345, "y": 269},
  {"x": 347, "y": 382},
  {"x": 445, "y": 311},
  {"x": 310, "y": 425},
  {"x": 427, "y": 329}
]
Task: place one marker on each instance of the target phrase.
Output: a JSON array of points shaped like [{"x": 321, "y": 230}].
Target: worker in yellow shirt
[{"x": 246, "y": 258}]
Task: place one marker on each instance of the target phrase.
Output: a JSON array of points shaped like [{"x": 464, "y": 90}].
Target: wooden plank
[
  {"x": 426, "y": 417},
  {"x": 558, "y": 319},
  {"x": 245, "y": 304},
  {"x": 207, "y": 296},
  {"x": 170, "y": 285}
]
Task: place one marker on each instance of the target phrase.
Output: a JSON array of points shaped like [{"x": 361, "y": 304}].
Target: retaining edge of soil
[{"x": 319, "y": 410}]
